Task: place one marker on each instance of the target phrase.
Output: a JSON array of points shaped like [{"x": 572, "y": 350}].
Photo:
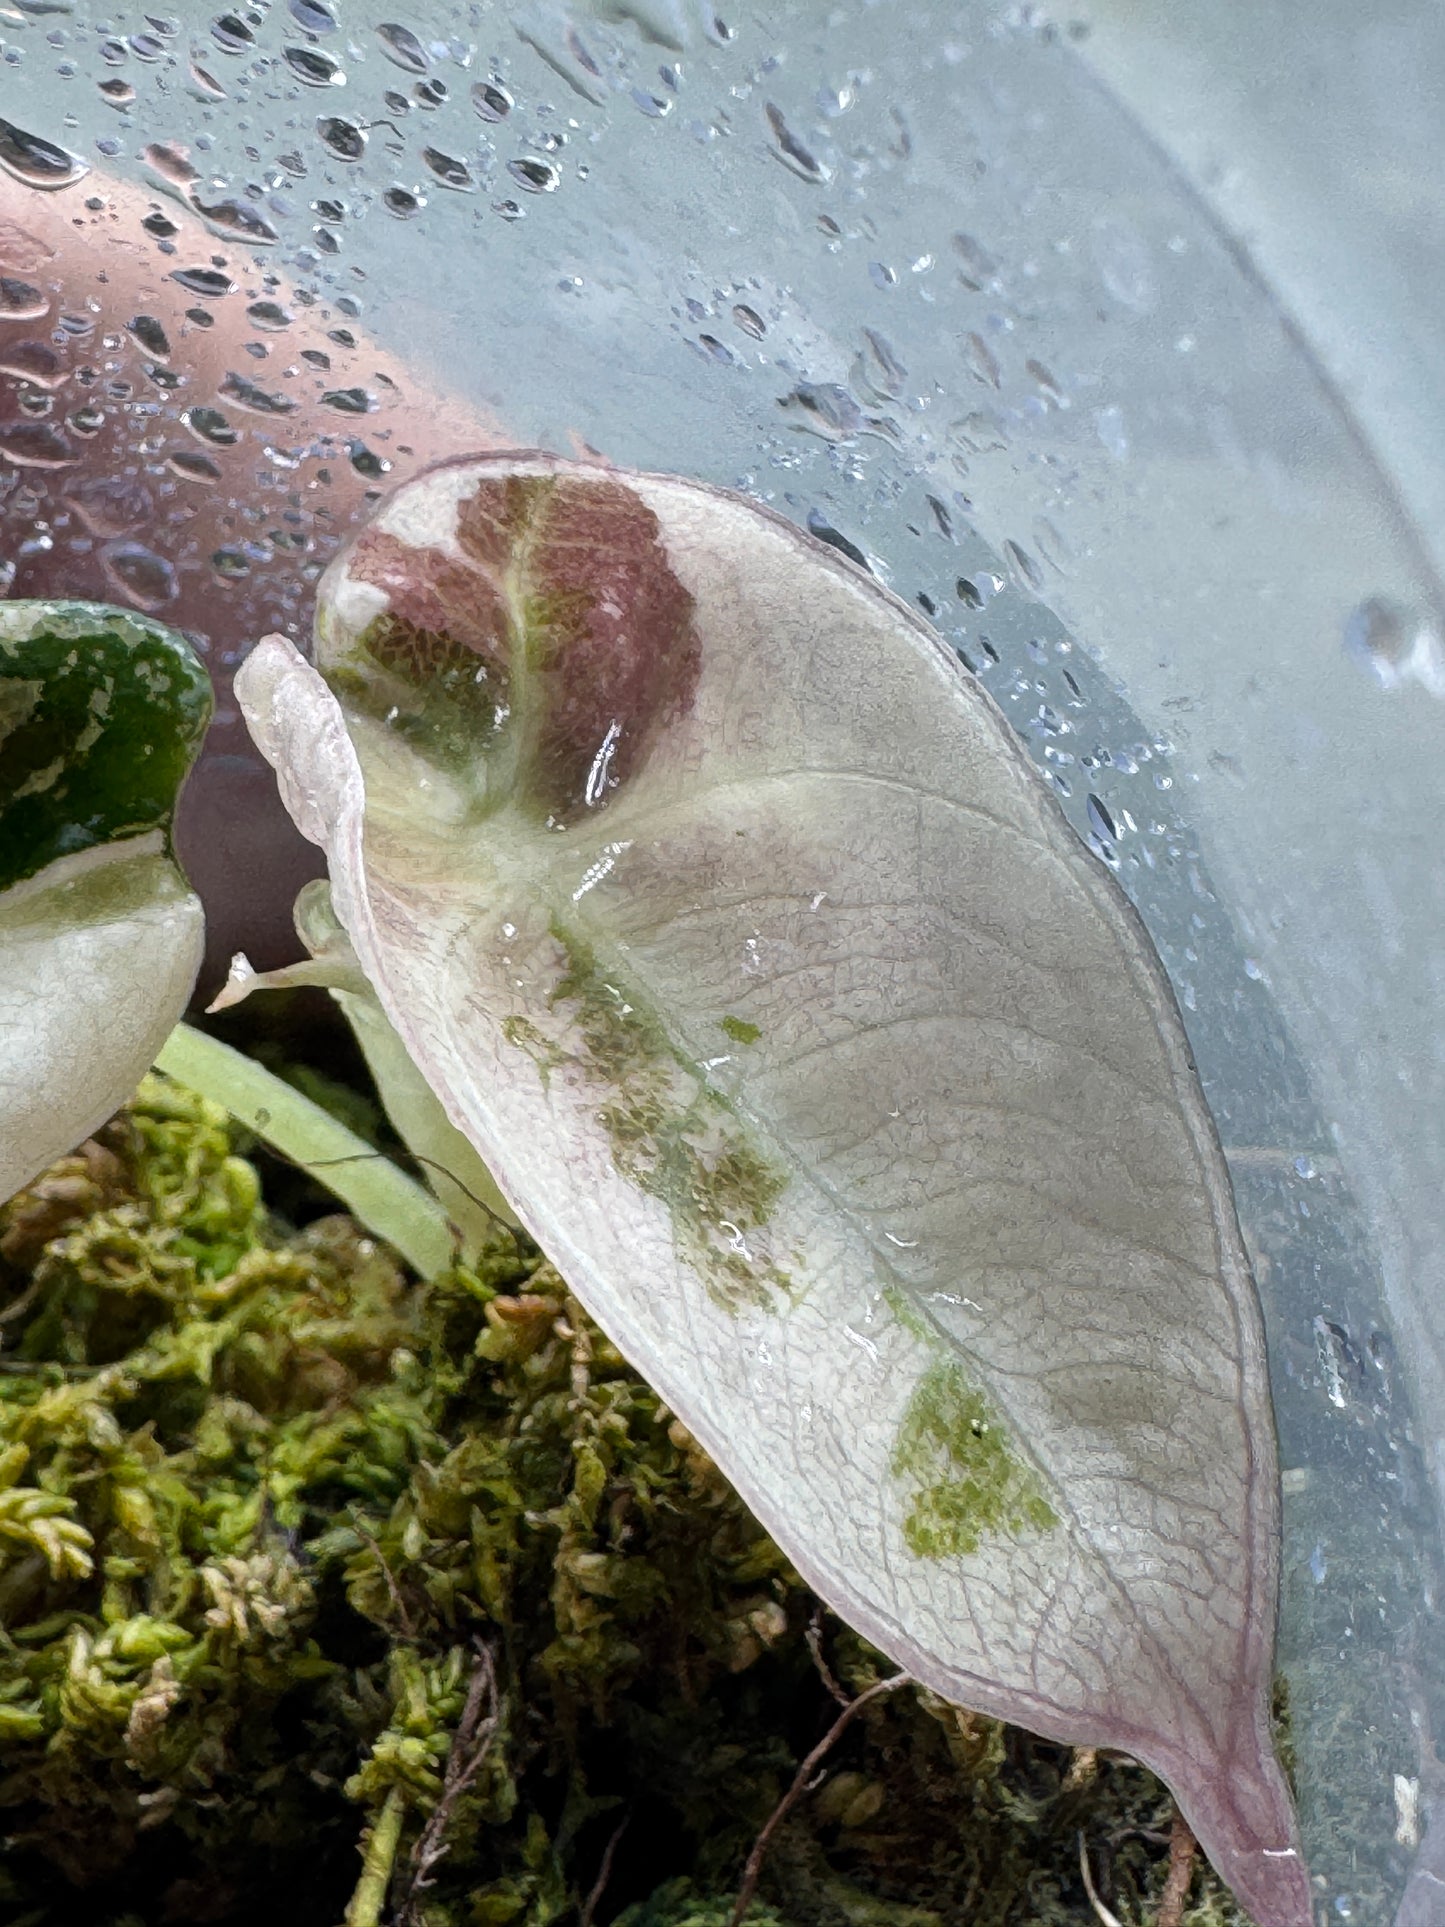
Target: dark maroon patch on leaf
[
  {"x": 440, "y": 608},
  {"x": 611, "y": 653}
]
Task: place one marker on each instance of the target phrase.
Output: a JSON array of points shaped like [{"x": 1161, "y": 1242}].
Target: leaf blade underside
[{"x": 841, "y": 1083}]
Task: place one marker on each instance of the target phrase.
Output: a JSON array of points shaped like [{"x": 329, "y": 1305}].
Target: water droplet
[
  {"x": 491, "y": 100},
  {"x": 1100, "y": 820},
  {"x": 1049, "y": 385},
  {"x": 449, "y": 170},
  {"x": 1122, "y": 257},
  {"x": 37, "y": 162},
  {"x": 86, "y": 420},
  {"x": 147, "y": 47},
  {"x": 403, "y": 202},
  {"x": 210, "y": 425},
  {"x": 247, "y": 395},
  {"x": 978, "y": 434},
  {"x": 1022, "y": 567},
  {"x": 538, "y": 177},
  {"x": 32, "y": 361},
  {"x": 402, "y": 48},
  {"x": 269, "y": 315},
  {"x": 1396, "y": 645},
  {"x": 979, "y": 266},
  {"x": 139, "y": 574},
  {"x": 159, "y": 225},
  {"x": 350, "y": 401},
  {"x": 313, "y": 16},
  {"x": 819, "y": 525},
  {"x": 981, "y": 359},
  {"x": 826, "y": 408},
  {"x": 877, "y": 369},
  {"x": 231, "y": 34},
  {"x": 171, "y": 162},
  {"x": 192, "y": 467},
  {"x": 209, "y": 283},
  {"x": 109, "y": 505},
  {"x": 113, "y": 53},
  {"x": 206, "y": 84},
  {"x": 119, "y": 93},
  {"x": 799, "y": 159},
  {"x": 344, "y": 138},
  {"x": 21, "y": 301},
  {"x": 655, "y": 106},
  {"x": 881, "y": 275},
  {"x": 36, "y": 445},
  {"x": 750, "y": 321},
  {"x": 313, "y": 67},
  {"x": 238, "y": 220},
  {"x": 198, "y": 318},
  {"x": 145, "y": 329},
  {"x": 367, "y": 462},
  {"x": 231, "y": 564},
  {"x": 430, "y": 93},
  {"x": 1113, "y": 432}
]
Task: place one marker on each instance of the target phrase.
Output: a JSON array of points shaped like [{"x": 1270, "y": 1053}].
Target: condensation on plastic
[{"x": 917, "y": 277}]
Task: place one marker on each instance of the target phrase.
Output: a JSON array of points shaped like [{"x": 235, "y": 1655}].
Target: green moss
[
  {"x": 272, "y": 1498},
  {"x": 740, "y": 1030},
  {"x": 965, "y": 1479}
]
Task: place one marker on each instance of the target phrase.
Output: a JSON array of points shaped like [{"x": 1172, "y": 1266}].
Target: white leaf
[{"x": 730, "y": 923}]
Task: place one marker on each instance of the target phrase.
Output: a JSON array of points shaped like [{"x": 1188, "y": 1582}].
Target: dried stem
[
  {"x": 803, "y": 1781},
  {"x": 1106, "y": 1917},
  {"x": 1181, "y": 1872},
  {"x": 471, "y": 1742},
  {"x": 814, "y": 1637},
  {"x": 604, "y": 1873}
]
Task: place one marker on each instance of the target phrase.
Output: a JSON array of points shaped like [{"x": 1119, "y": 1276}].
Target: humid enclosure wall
[{"x": 928, "y": 282}]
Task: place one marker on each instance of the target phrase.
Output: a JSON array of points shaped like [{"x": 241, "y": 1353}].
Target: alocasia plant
[
  {"x": 101, "y": 714},
  {"x": 733, "y": 928}
]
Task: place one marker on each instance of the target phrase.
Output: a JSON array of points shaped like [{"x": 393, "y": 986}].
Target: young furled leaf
[
  {"x": 101, "y": 714},
  {"x": 730, "y": 923}
]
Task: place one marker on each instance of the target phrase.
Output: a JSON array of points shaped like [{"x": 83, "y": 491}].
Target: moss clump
[{"x": 298, "y": 1556}]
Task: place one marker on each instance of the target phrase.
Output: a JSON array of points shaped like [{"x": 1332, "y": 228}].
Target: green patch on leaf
[
  {"x": 955, "y": 1454},
  {"x": 101, "y": 714},
  {"x": 673, "y": 1136}
]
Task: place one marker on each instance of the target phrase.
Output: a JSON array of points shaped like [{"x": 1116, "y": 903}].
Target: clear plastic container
[{"x": 1108, "y": 337}]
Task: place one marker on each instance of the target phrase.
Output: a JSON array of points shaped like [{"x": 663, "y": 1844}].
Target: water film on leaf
[{"x": 730, "y": 923}]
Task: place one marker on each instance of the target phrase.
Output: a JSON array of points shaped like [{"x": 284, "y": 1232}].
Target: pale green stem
[
  {"x": 378, "y": 1857},
  {"x": 373, "y": 1189}
]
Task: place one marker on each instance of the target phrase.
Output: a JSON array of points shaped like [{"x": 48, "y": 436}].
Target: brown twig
[
  {"x": 814, "y": 1637},
  {"x": 604, "y": 1873},
  {"x": 475, "y": 1732},
  {"x": 803, "y": 1782},
  {"x": 1181, "y": 1872}
]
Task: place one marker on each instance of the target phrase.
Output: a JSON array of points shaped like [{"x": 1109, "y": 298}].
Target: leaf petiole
[{"x": 389, "y": 1203}]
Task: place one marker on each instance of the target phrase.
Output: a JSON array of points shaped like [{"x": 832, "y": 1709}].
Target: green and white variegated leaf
[
  {"x": 729, "y": 922},
  {"x": 101, "y": 713}
]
